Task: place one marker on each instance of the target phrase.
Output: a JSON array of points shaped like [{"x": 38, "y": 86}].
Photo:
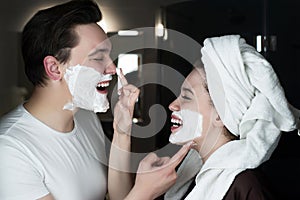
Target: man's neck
[{"x": 47, "y": 106}]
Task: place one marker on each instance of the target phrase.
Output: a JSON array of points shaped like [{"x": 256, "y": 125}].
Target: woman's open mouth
[
  {"x": 102, "y": 87},
  {"x": 176, "y": 123}
]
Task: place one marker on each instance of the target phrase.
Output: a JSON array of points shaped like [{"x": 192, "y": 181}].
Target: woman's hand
[
  {"x": 156, "y": 175},
  {"x": 124, "y": 108}
]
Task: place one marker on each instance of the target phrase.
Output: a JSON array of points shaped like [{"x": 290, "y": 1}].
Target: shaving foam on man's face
[
  {"x": 87, "y": 87},
  {"x": 187, "y": 125}
]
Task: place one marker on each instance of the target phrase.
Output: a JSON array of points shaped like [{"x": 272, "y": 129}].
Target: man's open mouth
[
  {"x": 102, "y": 87},
  {"x": 176, "y": 123}
]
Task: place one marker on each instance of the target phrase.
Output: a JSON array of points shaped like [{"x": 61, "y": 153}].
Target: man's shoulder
[{"x": 11, "y": 119}]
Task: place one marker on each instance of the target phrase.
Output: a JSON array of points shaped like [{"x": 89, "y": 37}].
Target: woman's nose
[{"x": 175, "y": 105}]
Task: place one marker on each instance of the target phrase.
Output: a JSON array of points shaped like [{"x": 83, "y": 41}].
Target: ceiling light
[{"x": 128, "y": 33}]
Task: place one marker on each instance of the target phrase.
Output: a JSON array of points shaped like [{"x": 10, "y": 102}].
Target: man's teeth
[{"x": 103, "y": 84}]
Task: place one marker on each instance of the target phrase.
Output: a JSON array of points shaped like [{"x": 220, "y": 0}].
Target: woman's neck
[{"x": 206, "y": 149}]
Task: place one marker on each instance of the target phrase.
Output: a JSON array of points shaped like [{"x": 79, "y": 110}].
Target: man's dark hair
[{"x": 51, "y": 32}]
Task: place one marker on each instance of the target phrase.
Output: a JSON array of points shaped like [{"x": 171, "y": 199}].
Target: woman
[{"x": 234, "y": 109}]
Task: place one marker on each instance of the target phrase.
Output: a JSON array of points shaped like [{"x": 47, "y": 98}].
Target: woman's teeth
[{"x": 176, "y": 122}]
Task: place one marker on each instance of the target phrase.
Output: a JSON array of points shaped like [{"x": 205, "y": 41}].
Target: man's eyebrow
[
  {"x": 187, "y": 90},
  {"x": 104, "y": 50}
]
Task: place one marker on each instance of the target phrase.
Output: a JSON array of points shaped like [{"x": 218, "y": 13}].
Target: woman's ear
[
  {"x": 217, "y": 120},
  {"x": 52, "y": 68}
]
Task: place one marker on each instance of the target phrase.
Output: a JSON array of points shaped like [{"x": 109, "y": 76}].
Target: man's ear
[{"x": 52, "y": 68}]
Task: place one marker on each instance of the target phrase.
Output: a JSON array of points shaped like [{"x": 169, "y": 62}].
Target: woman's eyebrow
[{"x": 187, "y": 90}]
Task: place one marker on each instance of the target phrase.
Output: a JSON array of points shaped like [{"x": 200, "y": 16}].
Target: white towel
[
  {"x": 251, "y": 88},
  {"x": 251, "y": 103}
]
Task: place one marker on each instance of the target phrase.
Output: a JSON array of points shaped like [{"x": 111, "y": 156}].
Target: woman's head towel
[{"x": 244, "y": 86}]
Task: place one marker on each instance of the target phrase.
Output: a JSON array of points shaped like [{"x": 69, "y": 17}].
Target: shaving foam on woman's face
[
  {"x": 187, "y": 125},
  {"x": 88, "y": 88},
  {"x": 192, "y": 110}
]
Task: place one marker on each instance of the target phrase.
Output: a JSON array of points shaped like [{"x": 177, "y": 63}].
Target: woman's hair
[
  {"x": 51, "y": 32},
  {"x": 200, "y": 66}
]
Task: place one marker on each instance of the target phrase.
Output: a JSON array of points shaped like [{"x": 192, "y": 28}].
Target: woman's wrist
[
  {"x": 121, "y": 140},
  {"x": 120, "y": 152}
]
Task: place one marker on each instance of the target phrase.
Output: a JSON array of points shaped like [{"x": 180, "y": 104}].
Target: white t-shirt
[{"x": 36, "y": 160}]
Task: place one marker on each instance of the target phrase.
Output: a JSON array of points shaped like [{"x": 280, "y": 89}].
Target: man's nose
[{"x": 110, "y": 68}]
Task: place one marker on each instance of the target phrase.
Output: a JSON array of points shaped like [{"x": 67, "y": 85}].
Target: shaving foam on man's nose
[
  {"x": 191, "y": 127},
  {"x": 82, "y": 82}
]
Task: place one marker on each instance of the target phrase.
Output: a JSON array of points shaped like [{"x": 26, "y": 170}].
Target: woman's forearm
[{"x": 119, "y": 173}]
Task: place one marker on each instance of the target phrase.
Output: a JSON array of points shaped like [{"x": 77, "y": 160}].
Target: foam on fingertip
[{"x": 118, "y": 70}]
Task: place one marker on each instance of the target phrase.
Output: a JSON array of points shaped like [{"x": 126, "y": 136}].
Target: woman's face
[{"x": 195, "y": 97}]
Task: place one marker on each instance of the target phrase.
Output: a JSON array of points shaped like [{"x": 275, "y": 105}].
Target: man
[{"x": 52, "y": 146}]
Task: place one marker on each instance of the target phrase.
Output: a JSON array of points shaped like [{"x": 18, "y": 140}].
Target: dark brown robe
[{"x": 250, "y": 184}]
